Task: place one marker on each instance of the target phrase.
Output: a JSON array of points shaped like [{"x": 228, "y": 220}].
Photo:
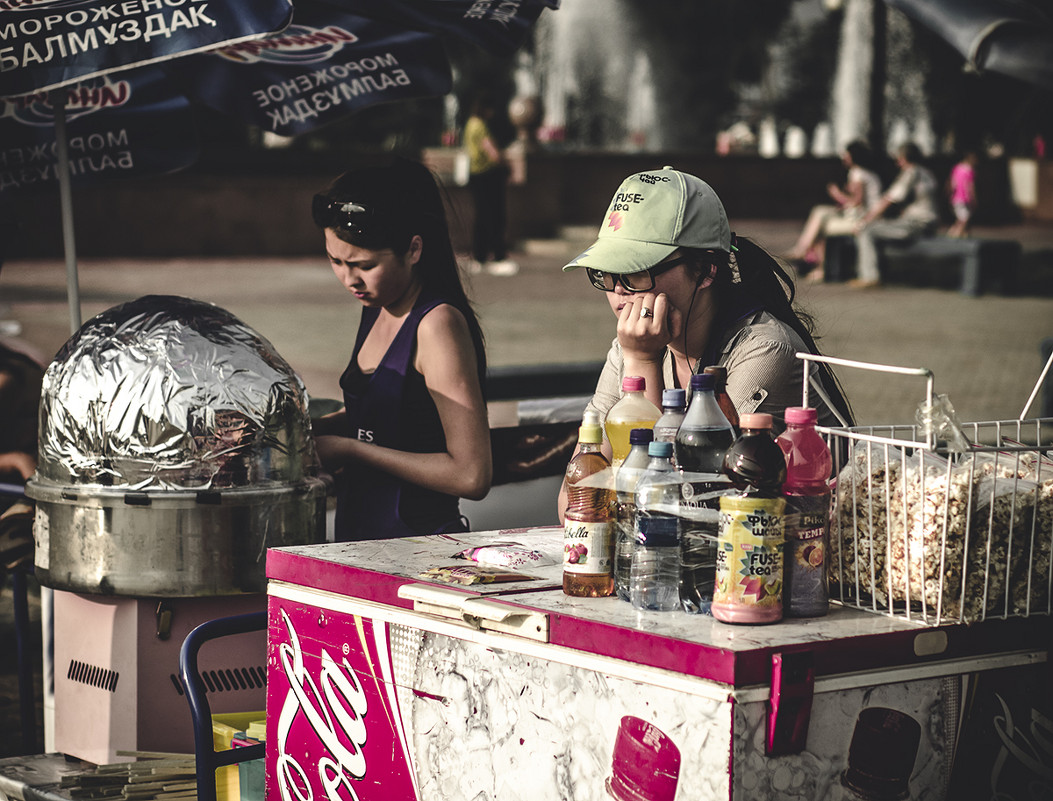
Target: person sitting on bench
[{"x": 915, "y": 190}]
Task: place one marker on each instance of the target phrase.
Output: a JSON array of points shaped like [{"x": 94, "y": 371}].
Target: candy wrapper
[
  {"x": 473, "y": 574},
  {"x": 506, "y": 554}
]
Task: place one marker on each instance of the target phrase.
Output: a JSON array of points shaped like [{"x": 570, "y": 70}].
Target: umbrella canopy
[
  {"x": 287, "y": 70},
  {"x": 327, "y": 64},
  {"x": 1009, "y": 37},
  {"x": 51, "y": 44},
  {"x": 129, "y": 124}
]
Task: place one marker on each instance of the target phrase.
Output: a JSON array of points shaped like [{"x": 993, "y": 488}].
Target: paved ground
[{"x": 985, "y": 352}]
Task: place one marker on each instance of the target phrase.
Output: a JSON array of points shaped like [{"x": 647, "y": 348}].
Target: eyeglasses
[
  {"x": 347, "y": 215},
  {"x": 642, "y": 281}
]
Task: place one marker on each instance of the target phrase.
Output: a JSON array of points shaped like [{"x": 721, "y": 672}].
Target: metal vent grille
[
  {"x": 92, "y": 675},
  {"x": 229, "y": 679}
]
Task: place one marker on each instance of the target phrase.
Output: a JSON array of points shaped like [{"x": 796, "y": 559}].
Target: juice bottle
[
  {"x": 807, "y": 493},
  {"x": 633, "y": 410},
  {"x": 720, "y": 391},
  {"x": 705, "y": 434},
  {"x": 749, "y": 573},
  {"x": 625, "y": 487},
  {"x": 588, "y": 530}
]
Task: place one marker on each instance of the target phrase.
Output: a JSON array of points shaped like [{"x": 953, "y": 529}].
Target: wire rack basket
[{"x": 938, "y": 534}]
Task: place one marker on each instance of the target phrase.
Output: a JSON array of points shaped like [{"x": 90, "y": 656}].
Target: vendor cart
[{"x": 385, "y": 682}]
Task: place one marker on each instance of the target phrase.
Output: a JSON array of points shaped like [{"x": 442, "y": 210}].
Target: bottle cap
[
  {"x": 661, "y": 449},
  {"x": 674, "y": 397},
  {"x": 755, "y": 420},
  {"x": 641, "y": 436},
  {"x": 801, "y": 415},
  {"x": 590, "y": 430},
  {"x": 702, "y": 381},
  {"x": 633, "y": 383},
  {"x": 720, "y": 375}
]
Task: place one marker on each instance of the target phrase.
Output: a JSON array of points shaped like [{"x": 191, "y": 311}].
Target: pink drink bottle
[{"x": 807, "y": 493}]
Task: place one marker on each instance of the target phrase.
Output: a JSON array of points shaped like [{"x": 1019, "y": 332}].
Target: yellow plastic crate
[{"x": 224, "y": 727}]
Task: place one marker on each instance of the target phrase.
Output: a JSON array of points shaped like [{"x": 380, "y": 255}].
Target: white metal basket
[{"x": 923, "y": 532}]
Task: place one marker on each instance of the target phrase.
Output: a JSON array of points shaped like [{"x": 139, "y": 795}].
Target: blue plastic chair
[
  {"x": 20, "y": 592},
  {"x": 206, "y": 758}
]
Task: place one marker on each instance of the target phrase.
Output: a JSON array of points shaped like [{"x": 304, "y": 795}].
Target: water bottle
[
  {"x": 703, "y": 439},
  {"x": 674, "y": 405},
  {"x": 749, "y": 575},
  {"x": 807, "y": 493},
  {"x": 633, "y": 410},
  {"x": 588, "y": 536},
  {"x": 656, "y": 547},
  {"x": 658, "y": 489},
  {"x": 625, "y": 487},
  {"x": 655, "y": 573}
]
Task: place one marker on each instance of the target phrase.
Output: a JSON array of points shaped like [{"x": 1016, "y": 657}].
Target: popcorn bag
[{"x": 960, "y": 538}]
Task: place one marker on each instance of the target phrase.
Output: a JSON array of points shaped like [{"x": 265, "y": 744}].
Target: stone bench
[{"x": 981, "y": 264}]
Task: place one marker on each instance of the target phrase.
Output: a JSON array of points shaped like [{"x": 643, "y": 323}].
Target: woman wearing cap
[
  {"x": 413, "y": 436},
  {"x": 686, "y": 298}
]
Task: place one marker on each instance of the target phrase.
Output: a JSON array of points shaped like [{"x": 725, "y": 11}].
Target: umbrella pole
[{"x": 58, "y": 102}]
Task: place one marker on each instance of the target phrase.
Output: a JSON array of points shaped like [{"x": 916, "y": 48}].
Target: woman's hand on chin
[{"x": 647, "y": 323}]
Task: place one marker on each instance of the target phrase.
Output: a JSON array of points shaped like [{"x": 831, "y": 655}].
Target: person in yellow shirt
[{"x": 488, "y": 183}]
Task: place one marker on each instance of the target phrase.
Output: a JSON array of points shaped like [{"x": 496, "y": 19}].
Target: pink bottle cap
[
  {"x": 646, "y": 764},
  {"x": 801, "y": 415},
  {"x": 755, "y": 420},
  {"x": 633, "y": 383}
]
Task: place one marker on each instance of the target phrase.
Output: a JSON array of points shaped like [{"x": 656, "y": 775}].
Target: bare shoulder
[{"x": 444, "y": 319}]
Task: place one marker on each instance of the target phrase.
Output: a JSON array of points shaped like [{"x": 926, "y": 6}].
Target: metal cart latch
[
  {"x": 789, "y": 702},
  {"x": 477, "y": 612}
]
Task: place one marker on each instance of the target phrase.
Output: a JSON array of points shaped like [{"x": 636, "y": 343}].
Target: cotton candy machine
[{"x": 174, "y": 449}]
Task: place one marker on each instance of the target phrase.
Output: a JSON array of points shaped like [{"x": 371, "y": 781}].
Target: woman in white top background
[{"x": 861, "y": 192}]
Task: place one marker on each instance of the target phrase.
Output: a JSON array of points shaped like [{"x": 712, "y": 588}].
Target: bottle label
[
  {"x": 807, "y": 524},
  {"x": 750, "y": 553},
  {"x": 587, "y": 547}
]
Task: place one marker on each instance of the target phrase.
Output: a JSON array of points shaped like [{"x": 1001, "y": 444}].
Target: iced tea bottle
[
  {"x": 588, "y": 529},
  {"x": 749, "y": 574}
]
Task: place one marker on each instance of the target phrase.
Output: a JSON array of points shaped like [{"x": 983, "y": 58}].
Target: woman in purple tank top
[{"x": 413, "y": 436}]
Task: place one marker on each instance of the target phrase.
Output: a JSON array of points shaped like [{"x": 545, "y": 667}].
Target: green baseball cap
[{"x": 652, "y": 214}]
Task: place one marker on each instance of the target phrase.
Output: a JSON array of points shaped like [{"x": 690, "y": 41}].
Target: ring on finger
[{"x": 645, "y": 312}]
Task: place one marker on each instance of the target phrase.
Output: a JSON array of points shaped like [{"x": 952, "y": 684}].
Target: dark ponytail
[{"x": 754, "y": 278}]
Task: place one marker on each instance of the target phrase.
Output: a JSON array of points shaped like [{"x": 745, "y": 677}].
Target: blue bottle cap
[
  {"x": 702, "y": 381},
  {"x": 662, "y": 449},
  {"x": 641, "y": 436},
  {"x": 673, "y": 397}
]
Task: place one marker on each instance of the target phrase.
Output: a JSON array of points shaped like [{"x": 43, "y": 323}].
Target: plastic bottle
[
  {"x": 588, "y": 535},
  {"x": 749, "y": 575},
  {"x": 674, "y": 406},
  {"x": 633, "y": 410},
  {"x": 807, "y": 493},
  {"x": 720, "y": 391},
  {"x": 655, "y": 573},
  {"x": 625, "y": 487},
  {"x": 703, "y": 439},
  {"x": 705, "y": 434}
]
